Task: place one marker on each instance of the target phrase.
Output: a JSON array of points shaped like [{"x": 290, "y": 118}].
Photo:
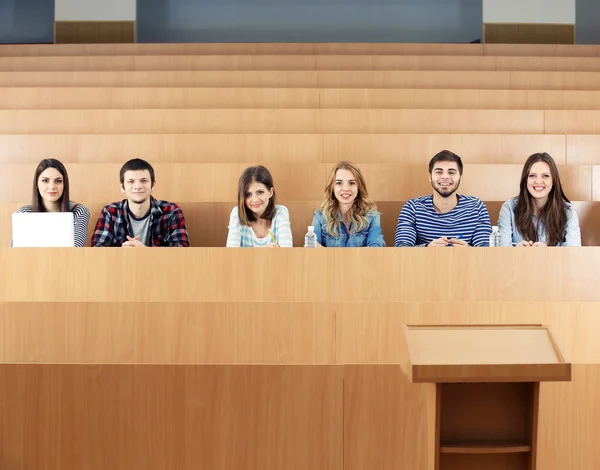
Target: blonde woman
[{"x": 347, "y": 217}]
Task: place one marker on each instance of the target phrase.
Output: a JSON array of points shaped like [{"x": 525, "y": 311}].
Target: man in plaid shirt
[{"x": 140, "y": 220}]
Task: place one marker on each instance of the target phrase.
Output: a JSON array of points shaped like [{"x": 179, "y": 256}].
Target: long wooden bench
[
  {"x": 200, "y": 98},
  {"x": 297, "y": 62},
  {"x": 549, "y": 50},
  {"x": 184, "y": 121},
  {"x": 311, "y": 79},
  {"x": 194, "y": 121},
  {"x": 300, "y": 148}
]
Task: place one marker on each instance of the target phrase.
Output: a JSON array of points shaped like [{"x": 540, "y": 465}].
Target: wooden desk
[{"x": 268, "y": 359}]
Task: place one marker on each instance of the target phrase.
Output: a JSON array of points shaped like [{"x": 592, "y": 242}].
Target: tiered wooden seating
[{"x": 301, "y": 344}]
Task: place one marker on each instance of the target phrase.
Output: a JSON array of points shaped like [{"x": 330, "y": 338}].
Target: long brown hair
[
  {"x": 252, "y": 174},
  {"x": 360, "y": 208},
  {"x": 554, "y": 213},
  {"x": 37, "y": 202}
]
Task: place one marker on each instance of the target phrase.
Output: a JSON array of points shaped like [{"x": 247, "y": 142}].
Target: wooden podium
[{"x": 487, "y": 390}]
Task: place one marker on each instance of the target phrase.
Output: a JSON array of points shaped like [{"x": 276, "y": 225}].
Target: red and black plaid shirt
[{"x": 167, "y": 225}]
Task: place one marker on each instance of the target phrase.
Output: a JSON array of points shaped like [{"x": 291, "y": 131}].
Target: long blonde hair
[{"x": 360, "y": 208}]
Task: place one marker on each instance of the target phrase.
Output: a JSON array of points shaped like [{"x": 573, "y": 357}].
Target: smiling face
[
  {"x": 345, "y": 187},
  {"x": 51, "y": 185},
  {"x": 445, "y": 178},
  {"x": 137, "y": 186},
  {"x": 257, "y": 198},
  {"x": 539, "y": 182}
]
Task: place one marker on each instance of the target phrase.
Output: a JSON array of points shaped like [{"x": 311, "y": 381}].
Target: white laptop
[{"x": 43, "y": 229}]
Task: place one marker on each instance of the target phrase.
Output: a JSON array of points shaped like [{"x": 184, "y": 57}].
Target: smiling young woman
[
  {"x": 347, "y": 217},
  {"x": 258, "y": 221},
  {"x": 50, "y": 193},
  {"x": 541, "y": 215}
]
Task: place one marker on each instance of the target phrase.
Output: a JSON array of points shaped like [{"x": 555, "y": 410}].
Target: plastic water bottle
[
  {"x": 310, "y": 239},
  {"x": 495, "y": 237}
]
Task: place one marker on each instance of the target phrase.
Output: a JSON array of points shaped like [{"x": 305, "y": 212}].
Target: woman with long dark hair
[
  {"x": 50, "y": 193},
  {"x": 541, "y": 215}
]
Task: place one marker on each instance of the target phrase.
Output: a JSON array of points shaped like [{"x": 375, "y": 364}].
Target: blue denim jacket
[{"x": 370, "y": 236}]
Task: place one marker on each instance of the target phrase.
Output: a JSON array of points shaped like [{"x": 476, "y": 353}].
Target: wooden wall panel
[
  {"x": 554, "y": 80},
  {"x": 229, "y": 278},
  {"x": 572, "y": 122},
  {"x": 583, "y": 149},
  {"x": 409, "y": 279},
  {"x": 568, "y": 417},
  {"x": 171, "y": 417},
  {"x": 167, "y": 148},
  {"x": 420, "y": 148},
  {"x": 167, "y": 333},
  {"x": 156, "y": 98},
  {"x": 369, "y": 333},
  {"x": 388, "y": 422},
  {"x": 415, "y": 121}
]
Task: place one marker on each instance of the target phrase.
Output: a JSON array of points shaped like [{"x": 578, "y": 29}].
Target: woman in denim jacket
[{"x": 347, "y": 216}]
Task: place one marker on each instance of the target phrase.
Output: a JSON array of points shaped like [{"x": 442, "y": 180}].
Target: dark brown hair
[
  {"x": 136, "y": 164},
  {"x": 37, "y": 204},
  {"x": 446, "y": 156},
  {"x": 252, "y": 174},
  {"x": 554, "y": 213}
]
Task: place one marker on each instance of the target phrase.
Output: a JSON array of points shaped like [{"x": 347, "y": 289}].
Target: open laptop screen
[{"x": 43, "y": 229}]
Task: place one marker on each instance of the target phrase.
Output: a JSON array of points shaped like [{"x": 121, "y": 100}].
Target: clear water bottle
[
  {"x": 310, "y": 239},
  {"x": 495, "y": 237}
]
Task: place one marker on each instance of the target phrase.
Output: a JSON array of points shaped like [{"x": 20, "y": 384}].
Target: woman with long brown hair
[
  {"x": 50, "y": 193},
  {"x": 257, "y": 220},
  {"x": 347, "y": 216},
  {"x": 541, "y": 215}
]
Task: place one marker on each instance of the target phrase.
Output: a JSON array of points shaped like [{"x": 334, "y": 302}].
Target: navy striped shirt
[{"x": 419, "y": 223}]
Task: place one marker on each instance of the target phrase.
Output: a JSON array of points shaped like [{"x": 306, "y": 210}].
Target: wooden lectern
[{"x": 487, "y": 390}]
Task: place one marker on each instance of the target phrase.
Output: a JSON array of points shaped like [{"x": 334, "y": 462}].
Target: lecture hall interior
[{"x": 215, "y": 358}]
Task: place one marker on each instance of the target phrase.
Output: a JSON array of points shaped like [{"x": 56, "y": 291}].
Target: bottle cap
[
  {"x": 311, "y": 228},
  {"x": 495, "y": 228}
]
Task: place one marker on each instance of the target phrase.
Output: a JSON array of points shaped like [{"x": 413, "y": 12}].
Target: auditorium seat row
[
  {"x": 297, "y": 62},
  {"x": 298, "y": 98}
]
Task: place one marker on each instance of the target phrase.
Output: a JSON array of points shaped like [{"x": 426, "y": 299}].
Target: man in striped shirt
[{"x": 444, "y": 218}]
